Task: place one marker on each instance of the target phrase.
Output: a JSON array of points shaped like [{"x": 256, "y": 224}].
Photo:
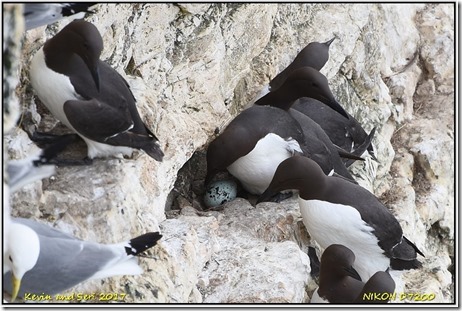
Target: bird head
[{"x": 22, "y": 254}]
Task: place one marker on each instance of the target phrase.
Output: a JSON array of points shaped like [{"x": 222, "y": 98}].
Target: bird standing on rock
[
  {"x": 89, "y": 96},
  {"x": 345, "y": 133},
  {"x": 336, "y": 211}
]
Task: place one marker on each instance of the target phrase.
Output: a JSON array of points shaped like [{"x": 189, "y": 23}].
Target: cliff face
[{"x": 192, "y": 68}]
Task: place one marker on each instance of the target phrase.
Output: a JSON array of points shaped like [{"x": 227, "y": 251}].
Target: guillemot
[
  {"x": 306, "y": 82},
  {"x": 348, "y": 134},
  {"x": 339, "y": 282},
  {"x": 336, "y": 211},
  {"x": 314, "y": 55},
  {"x": 260, "y": 137},
  {"x": 89, "y": 96},
  {"x": 302, "y": 82}
]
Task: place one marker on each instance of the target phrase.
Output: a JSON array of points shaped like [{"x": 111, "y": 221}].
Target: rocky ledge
[{"x": 192, "y": 68}]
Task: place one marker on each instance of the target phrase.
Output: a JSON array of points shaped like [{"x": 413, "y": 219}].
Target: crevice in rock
[
  {"x": 132, "y": 68},
  {"x": 439, "y": 233},
  {"x": 233, "y": 8},
  {"x": 420, "y": 182},
  {"x": 189, "y": 185},
  {"x": 179, "y": 40},
  {"x": 452, "y": 270}
]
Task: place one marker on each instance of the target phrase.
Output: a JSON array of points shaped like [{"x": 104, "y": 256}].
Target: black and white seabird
[
  {"x": 302, "y": 82},
  {"x": 308, "y": 82},
  {"x": 336, "y": 211},
  {"x": 321, "y": 149},
  {"x": 339, "y": 282},
  {"x": 89, "y": 96},
  {"x": 252, "y": 146},
  {"x": 314, "y": 55},
  {"x": 42, "y": 260},
  {"x": 259, "y": 138},
  {"x": 40, "y": 14},
  {"x": 348, "y": 134}
]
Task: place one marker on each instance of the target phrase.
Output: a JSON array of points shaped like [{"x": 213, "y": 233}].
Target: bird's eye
[{"x": 11, "y": 259}]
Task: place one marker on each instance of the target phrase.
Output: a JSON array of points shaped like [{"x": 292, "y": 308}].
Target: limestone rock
[
  {"x": 192, "y": 69},
  {"x": 13, "y": 27},
  {"x": 264, "y": 267}
]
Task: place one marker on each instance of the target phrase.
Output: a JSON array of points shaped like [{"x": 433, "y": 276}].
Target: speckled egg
[{"x": 220, "y": 192}]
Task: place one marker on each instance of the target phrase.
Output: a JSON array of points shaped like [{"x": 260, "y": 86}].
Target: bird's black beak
[
  {"x": 353, "y": 273},
  {"x": 330, "y": 41}
]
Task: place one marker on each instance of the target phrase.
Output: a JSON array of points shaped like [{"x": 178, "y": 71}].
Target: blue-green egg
[{"x": 220, "y": 192}]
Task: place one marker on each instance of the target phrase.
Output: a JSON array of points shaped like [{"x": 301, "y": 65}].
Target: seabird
[
  {"x": 321, "y": 149},
  {"x": 24, "y": 171},
  {"x": 41, "y": 259},
  {"x": 259, "y": 138},
  {"x": 302, "y": 82},
  {"x": 336, "y": 211},
  {"x": 339, "y": 282},
  {"x": 381, "y": 284},
  {"x": 308, "y": 82},
  {"x": 252, "y": 146},
  {"x": 348, "y": 134},
  {"x": 314, "y": 55},
  {"x": 89, "y": 96},
  {"x": 40, "y": 14}
]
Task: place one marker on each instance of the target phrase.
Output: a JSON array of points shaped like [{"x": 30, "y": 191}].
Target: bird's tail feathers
[
  {"x": 141, "y": 243},
  {"x": 400, "y": 264},
  {"x": 154, "y": 151},
  {"x": 72, "y": 8},
  {"x": 148, "y": 144},
  {"x": 404, "y": 256},
  {"x": 413, "y": 246}
]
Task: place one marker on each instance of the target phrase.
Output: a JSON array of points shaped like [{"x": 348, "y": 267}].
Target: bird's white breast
[
  {"x": 256, "y": 169},
  {"x": 330, "y": 223},
  {"x": 53, "y": 88}
]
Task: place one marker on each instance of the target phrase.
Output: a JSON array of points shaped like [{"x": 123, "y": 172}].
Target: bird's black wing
[{"x": 97, "y": 120}]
